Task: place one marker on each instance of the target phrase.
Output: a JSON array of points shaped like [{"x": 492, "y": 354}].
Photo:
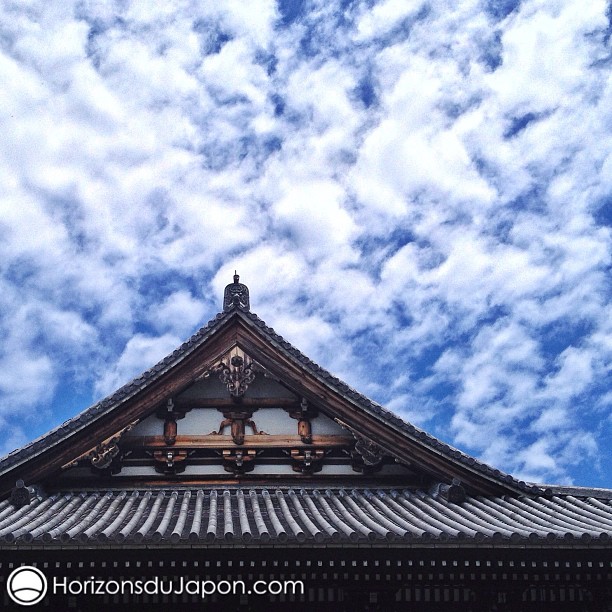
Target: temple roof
[
  {"x": 390, "y": 482},
  {"x": 273, "y": 516},
  {"x": 418, "y": 439}
]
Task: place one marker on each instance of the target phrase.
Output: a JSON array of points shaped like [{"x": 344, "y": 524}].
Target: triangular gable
[{"x": 370, "y": 433}]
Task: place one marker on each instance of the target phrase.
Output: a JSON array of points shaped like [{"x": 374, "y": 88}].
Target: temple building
[{"x": 237, "y": 458}]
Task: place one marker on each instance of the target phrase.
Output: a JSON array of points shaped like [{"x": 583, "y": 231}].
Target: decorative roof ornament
[
  {"x": 21, "y": 495},
  {"x": 236, "y": 295},
  {"x": 238, "y": 375}
]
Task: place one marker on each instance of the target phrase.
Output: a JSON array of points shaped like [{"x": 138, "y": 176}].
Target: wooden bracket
[
  {"x": 237, "y": 421},
  {"x": 171, "y": 414},
  {"x": 170, "y": 461},
  {"x": 239, "y": 461},
  {"x": 304, "y": 413},
  {"x": 307, "y": 461}
]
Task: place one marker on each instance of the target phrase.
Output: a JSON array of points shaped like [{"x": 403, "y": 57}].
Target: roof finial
[{"x": 236, "y": 295}]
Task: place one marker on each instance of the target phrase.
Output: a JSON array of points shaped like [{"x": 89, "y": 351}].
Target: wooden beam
[
  {"x": 228, "y": 402},
  {"x": 250, "y": 441},
  {"x": 121, "y": 481}
]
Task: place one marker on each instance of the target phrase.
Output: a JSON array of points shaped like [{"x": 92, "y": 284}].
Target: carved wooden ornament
[
  {"x": 103, "y": 454},
  {"x": 238, "y": 375}
]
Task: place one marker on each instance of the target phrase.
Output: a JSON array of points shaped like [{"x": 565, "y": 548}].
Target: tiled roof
[{"x": 292, "y": 517}]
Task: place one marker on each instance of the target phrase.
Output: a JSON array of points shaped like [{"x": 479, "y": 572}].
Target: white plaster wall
[
  {"x": 266, "y": 387},
  {"x": 212, "y": 387},
  {"x": 150, "y": 426},
  {"x": 200, "y": 422},
  {"x": 207, "y": 387},
  {"x": 274, "y": 421},
  {"x": 324, "y": 425}
]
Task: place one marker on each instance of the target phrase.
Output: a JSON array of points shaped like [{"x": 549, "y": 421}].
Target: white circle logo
[{"x": 26, "y": 585}]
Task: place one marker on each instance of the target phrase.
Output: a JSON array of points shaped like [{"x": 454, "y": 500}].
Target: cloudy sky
[{"x": 417, "y": 193}]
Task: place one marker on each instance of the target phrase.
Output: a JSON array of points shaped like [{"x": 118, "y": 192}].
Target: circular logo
[{"x": 26, "y": 585}]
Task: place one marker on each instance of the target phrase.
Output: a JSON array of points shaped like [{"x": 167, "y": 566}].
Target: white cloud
[
  {"x": 409, "y": 191},
  {"x": 180, "y": 312},
  {"x": 574, "y": 374},
  {"x": 384, "y": 16},
  {"x": 139, "y": 354},
  {"x": 314, "y": 216},
  {"x": 543, "y": 62},
  {"x": 26, "y": 379}
]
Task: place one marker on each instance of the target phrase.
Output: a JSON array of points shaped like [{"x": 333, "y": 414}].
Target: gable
[
  {"x": 236, "y": 403},
  {"x": 233, "y": 423}
]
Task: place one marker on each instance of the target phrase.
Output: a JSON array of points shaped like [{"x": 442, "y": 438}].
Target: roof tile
[{"x": 287, "y": 515}]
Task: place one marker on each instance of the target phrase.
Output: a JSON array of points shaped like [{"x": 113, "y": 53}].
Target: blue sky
[{"x": 418, "y": 194}]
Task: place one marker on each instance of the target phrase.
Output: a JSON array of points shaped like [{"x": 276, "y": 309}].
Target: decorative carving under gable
[
  {"x": 367, "y": 455},
  {"x": 237, "y": 421},
  {"x": 236, "y": 373},
  {"x": 105, "y": 454},
  {"x": 369, "y": 451}
]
